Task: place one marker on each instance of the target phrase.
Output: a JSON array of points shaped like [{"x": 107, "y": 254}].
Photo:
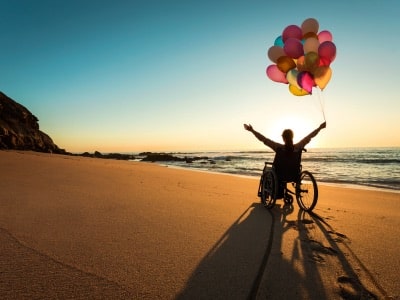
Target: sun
[{"x": 300, "y": 126}]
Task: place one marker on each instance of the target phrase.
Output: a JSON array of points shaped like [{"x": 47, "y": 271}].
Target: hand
[
  {"x": 248, "y": 127},
  {"x": 323, "y": 125}
]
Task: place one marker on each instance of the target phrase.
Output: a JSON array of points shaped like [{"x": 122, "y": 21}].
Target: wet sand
[{"x": 84, "y": 228}]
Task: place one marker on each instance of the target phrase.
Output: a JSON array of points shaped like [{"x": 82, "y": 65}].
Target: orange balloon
[
  {"x": 310, "y": 35},
  {"x": 297, "y": 91},
  {"x": 301, "y": 64},
  {"x": 285, "y": 63},
  {"x": 322, "y": 75}
]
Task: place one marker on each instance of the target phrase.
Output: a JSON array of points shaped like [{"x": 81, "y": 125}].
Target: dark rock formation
[
  {"x": 161, "y": 157},
  {"x": 153, "y": 157},
  {"x": 19, "y": 129},
  {"x": 118, "y": 156}
]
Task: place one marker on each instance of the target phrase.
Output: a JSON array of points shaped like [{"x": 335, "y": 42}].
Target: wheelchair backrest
[{"x": 287, "y": 164}]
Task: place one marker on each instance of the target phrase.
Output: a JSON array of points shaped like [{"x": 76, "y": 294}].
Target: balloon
[
  {"x": 275, "y": 74},
  {"x": 327, "y": 50},
  {"x": 285, "y": 63},
  {"x": 311, "y": 61},
  {"x": 291, "y": 77},
  {"x": 310, "y": 35},
  {"x": 278, "y": 41},
  {"x": 301, "y": 64},
  {"x": 322, "y": 75},
  {"x": 293, "y": 48},
  {"x": 275, "y": 52},
  {"x": 324, "y": 36},
  {"x": 324, "y": 61},
  {"x": 302, "y": 57},
  {"x": 297, "y": 91},
  {"x": 311, "y": 45},
  {"x": 292, "y": 31},
  {"x": 305, "y": 81},
  {"x": 310, "y": 25}
]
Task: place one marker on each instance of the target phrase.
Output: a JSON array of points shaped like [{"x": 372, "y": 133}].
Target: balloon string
[{"x": 321, "y": 103}]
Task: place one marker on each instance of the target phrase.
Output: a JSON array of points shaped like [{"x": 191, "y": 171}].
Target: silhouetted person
[{"x": 287, "y": 151}]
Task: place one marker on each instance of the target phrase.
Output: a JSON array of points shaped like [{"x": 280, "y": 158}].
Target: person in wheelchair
[{"x": 287, "y": 156}]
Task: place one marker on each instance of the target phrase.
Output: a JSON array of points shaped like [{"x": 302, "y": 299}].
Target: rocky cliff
[{"x": 19, "y": 129}]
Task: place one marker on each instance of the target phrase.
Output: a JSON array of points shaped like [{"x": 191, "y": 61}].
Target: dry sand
[{"x": 83, "y": 228}]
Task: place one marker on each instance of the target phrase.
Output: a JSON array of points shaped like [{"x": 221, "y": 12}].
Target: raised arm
[
  {"x": 308, "y": 138},
  {"x": 260, "y": 137}
]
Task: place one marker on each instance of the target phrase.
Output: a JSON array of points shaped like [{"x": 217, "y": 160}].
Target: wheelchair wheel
[
  {"x": 307, "y": 191},
  {"x": 268, "y": 189}
]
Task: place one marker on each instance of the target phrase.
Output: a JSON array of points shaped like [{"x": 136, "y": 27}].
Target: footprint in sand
[
  {"x": 337, "y": 236},
  {"x": 351, "y": 288},
  {"x": 318, "y": 246}
]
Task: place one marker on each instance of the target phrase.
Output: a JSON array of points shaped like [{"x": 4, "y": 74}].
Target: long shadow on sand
[
  {"x": 230, "y": 269},
  {"x": 310, "y": 260},
  {"x": 281, "y": 253}
]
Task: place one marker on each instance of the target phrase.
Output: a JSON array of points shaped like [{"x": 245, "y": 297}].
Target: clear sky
[{"x": 156, "y": 75}]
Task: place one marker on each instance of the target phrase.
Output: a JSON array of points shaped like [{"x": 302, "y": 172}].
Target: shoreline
[{"x": 331, "y": 184}]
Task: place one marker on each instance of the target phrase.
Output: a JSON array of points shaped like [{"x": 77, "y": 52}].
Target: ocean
[{"x": 362, "y": 167}]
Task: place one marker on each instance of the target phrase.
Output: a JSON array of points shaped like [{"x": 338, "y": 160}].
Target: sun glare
[{"x": 300, "y": 127}]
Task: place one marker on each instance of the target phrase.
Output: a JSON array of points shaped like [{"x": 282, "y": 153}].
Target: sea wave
[{"x": 372, "y": 167}]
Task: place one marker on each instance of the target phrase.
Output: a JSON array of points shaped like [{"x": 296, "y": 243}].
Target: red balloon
[
  {"x": 293, "y": 48},
  {"x": 292, "y": 31},
  {"x": 327, "y": 51}
]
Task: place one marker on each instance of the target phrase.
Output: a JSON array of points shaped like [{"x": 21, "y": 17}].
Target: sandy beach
[{"x": 84, "y": 228}]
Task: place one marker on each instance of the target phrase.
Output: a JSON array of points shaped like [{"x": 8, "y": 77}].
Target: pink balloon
[
  {"x": 324, "y": 36},
  {"x": 292, "y": 31},
  {"x": 293, "y": 48},
  {"x": 275, "y": 74},
  {"x": 305, "y": 81},
  {"x": 327, "y": 51}
]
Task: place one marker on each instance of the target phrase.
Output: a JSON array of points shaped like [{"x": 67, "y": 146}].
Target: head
[{"x": 287, "y": 136}]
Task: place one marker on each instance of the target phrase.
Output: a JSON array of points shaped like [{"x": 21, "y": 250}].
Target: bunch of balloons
[{"x": 302, "y": 57}]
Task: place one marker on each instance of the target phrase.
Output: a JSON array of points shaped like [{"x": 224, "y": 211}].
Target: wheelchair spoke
[{"x": 307, "y": 191}]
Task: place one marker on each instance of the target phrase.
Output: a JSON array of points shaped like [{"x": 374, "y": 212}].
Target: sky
[{"x": 157, "y": 75}]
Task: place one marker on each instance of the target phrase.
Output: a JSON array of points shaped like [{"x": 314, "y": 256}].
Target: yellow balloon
[
  {"x": 322, "y": 75},
  {"x": 297, "y": 91}
]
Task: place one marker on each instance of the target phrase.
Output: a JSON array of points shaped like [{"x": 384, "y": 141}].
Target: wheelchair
[{"x": 284, "y": 178}]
